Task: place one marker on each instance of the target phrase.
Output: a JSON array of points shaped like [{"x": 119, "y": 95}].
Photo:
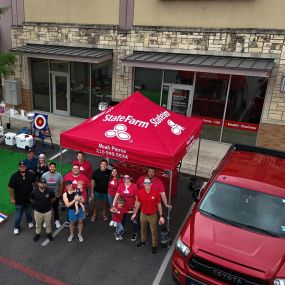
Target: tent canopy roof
[{"x": 136, "y": 130}]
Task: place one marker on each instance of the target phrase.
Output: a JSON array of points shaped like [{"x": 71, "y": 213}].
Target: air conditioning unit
[{"x": 12, "y": 92}]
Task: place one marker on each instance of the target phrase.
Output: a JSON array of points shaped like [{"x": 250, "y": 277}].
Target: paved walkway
[{"x": 211, "y": 152}]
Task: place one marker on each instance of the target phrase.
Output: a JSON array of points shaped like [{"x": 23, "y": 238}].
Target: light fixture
[
  {"x": 282, "y": 86},
  {"x": 122, "y": 70}
]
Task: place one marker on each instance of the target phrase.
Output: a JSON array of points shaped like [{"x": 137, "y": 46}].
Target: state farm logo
[
  {"x": 175, "y": 128},
  {"x": 119, "y": 131}
]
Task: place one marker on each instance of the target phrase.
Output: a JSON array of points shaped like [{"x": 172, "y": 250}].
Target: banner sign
[{"x": 230, "y": 124}]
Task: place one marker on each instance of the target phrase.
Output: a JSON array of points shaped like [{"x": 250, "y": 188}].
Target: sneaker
[
  {"x": 111, "y": 223},
  {"x": 134, "y": 237},
  {"x": 16, "y": 231},
  {"x": 153, "y": 250},
  {"x": 50, "y": 237},
  {"x": 36, "y": 237},
  {"x": 115, "y": 224},
  {"x": 31, "y": 225},
  {"x": 44, "y": 225},
  {"x": 70, "y": 238},
  {"x": 80, "y": 237},
  {"x": 141, "y": 244},
  {"x": 57, "y": 224},
  {"x": 66, "y": 224},
  {"x": 118, "y": 237}
]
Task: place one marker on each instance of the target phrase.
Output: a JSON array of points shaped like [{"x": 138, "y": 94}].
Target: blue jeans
[
  {"x": 134, "y": 223},
  {"x": 119, "y": 229},
  {"x": 20, "y": 209},
  {"x": 111, "y": 199}
]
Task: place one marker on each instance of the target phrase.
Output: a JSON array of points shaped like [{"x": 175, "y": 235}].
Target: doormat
[{"x": 3, "y": 218}]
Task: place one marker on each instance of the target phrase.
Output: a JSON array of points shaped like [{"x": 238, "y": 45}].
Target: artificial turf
[{"x": 8, "y": 165}]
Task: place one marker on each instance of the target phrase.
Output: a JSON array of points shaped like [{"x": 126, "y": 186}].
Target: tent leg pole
[
  {"x": 60, "y": 161},
  {"x": 197, "y": 160},
  {"x": 169, "y": 200}
]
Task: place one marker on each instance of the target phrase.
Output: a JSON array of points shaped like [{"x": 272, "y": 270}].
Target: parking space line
[
  {"x": 170, "y": 251},
  {"x": 58, "y": 154},
  {"x": 54, "y": 234},
  {"x": 30, "y": 272}
]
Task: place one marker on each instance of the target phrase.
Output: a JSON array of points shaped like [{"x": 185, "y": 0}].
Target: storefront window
[
  {"x": 245, "y": 104},
  {"x": 40, "y": 84},
  {"x": 179, "y": 77},
  {"x": 148, "y": 82},
  {"x": 101, "y": 85},
  {"x": 79, "y": 89},
  {"x": 209, "y": 102}
]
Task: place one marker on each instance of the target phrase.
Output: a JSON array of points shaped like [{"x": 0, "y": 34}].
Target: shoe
[
  {"x": 153, "y": 250},
  {"x": 115, "y": 224},
  {"x": 118, "y": 237},
  {"x": 57, "y": 224},
  {"x": 31, "y": 225},
  {"x": 93, "y": 219},
  {"x": 134, "y": 237},
  {"x": 70, "y": 238},
  {"x": 36, "y": 237},
  {"x": 105, "y": 218},
  {"x": 111, "y": 223},
  {"x": 50, "y": 237},
  {"x": 141, "y": 244},
  {"x": 66, "y": 224},
  {"x": 16, "y": 231},
  {"x": 44, "y": 225},
  {"x": 80, "y": 237}
]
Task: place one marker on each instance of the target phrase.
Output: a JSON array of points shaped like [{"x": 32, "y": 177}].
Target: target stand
[{"x": 41, "y": 129}]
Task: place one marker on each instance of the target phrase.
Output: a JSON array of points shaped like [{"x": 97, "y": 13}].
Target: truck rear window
[{"x": 244, "y": 208}]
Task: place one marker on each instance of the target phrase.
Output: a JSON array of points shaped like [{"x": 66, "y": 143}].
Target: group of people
[{"x": 38, "y": 186}]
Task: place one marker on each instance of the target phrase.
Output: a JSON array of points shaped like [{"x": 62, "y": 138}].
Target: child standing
[
  {"x": 78, "y": 192},
  {"x": 118, "y": 213}
]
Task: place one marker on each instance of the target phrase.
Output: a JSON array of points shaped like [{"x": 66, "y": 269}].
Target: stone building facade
[{"x": 217, "y": 42}]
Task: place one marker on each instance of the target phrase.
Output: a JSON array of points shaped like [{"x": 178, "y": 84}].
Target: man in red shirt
[
  {"x": 85, "y": 166},
  {"x": 149, "y": 201},
  {"x": 74, "y": 175},
  {"x": 156, "y": 184}
]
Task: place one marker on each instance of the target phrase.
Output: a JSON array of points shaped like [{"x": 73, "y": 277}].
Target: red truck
[{"x": 235, "y": 233}]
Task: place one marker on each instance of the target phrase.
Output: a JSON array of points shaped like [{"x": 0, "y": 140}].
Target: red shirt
[
  {"x": 85, "y": 168},
  {"x": 128, "y": 194},
  {"x": 148, "y": 201},
  {"x": 80, "y": 177},
  {"x": 156, "y": 183},
  {"x": 118, "y": 216},
  {"x": 113, "y": 185}
]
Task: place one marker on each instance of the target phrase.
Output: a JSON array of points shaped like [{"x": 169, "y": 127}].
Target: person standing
[
  {"x": 85, "y": 166},
  {"x": 54, "y": 182},
  {"x": 31, "y": 162},
  {"x": 114, "y": 182},
  {"x": 128, "y": 191},
  {"x": 42, "y": 166},
  {"x": 149, "y": 201},
  {"x": 99, "y": 189},
  {"x": 42, "y": 199},
  {"x": 20, "y": 187},
  {"x": 156, "y": 184},
  {"x": 70, "y": 198}
]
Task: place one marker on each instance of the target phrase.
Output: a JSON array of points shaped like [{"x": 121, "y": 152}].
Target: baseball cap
[
  {"x": 42, "y": 180},
  {"x": 30, "y": 150},
  {"x": 22, "y": 162},
  {"x": 68, "y": 182}
]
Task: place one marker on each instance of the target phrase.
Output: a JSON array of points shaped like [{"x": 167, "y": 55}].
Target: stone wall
[{"x": 239, "y": 43}]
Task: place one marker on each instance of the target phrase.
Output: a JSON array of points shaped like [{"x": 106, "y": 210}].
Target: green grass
[{"x": 8, "y": 165}]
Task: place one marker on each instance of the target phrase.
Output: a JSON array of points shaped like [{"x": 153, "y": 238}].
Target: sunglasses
[
  {"x": 126, "y": 177},
  {"x": 147, "y": 183}
]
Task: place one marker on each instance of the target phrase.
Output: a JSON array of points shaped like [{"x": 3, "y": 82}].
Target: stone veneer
[{"x": 239, "y": 43}]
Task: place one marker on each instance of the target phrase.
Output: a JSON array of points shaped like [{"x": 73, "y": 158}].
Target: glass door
[
  {"x": 61, "y": 93},
  {"x": 180, "y": 99}
]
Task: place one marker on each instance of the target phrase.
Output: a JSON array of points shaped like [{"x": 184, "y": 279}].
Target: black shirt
[
  {"x": 23, "y": 186},
  {"x": 70, "y": 198},
  {"x": 40, "y": 170},
  {"x": 42, "y": 200},
  {"x": 101, "y": 180}
]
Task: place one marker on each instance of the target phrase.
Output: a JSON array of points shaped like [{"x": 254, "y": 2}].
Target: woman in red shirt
[{"x": 128, "y": 191}]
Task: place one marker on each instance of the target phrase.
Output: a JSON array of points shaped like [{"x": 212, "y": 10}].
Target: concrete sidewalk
[{"x": 211, "y": 152}]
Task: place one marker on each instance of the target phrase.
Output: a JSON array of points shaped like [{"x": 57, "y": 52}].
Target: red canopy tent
[{"x": 138, "y": 131}]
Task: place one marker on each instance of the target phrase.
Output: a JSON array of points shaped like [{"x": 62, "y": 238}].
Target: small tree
[{"x": 7, "y": 60}]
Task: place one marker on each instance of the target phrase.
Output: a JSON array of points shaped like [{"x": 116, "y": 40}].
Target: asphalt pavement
[{"x": 100, "y": 259}]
